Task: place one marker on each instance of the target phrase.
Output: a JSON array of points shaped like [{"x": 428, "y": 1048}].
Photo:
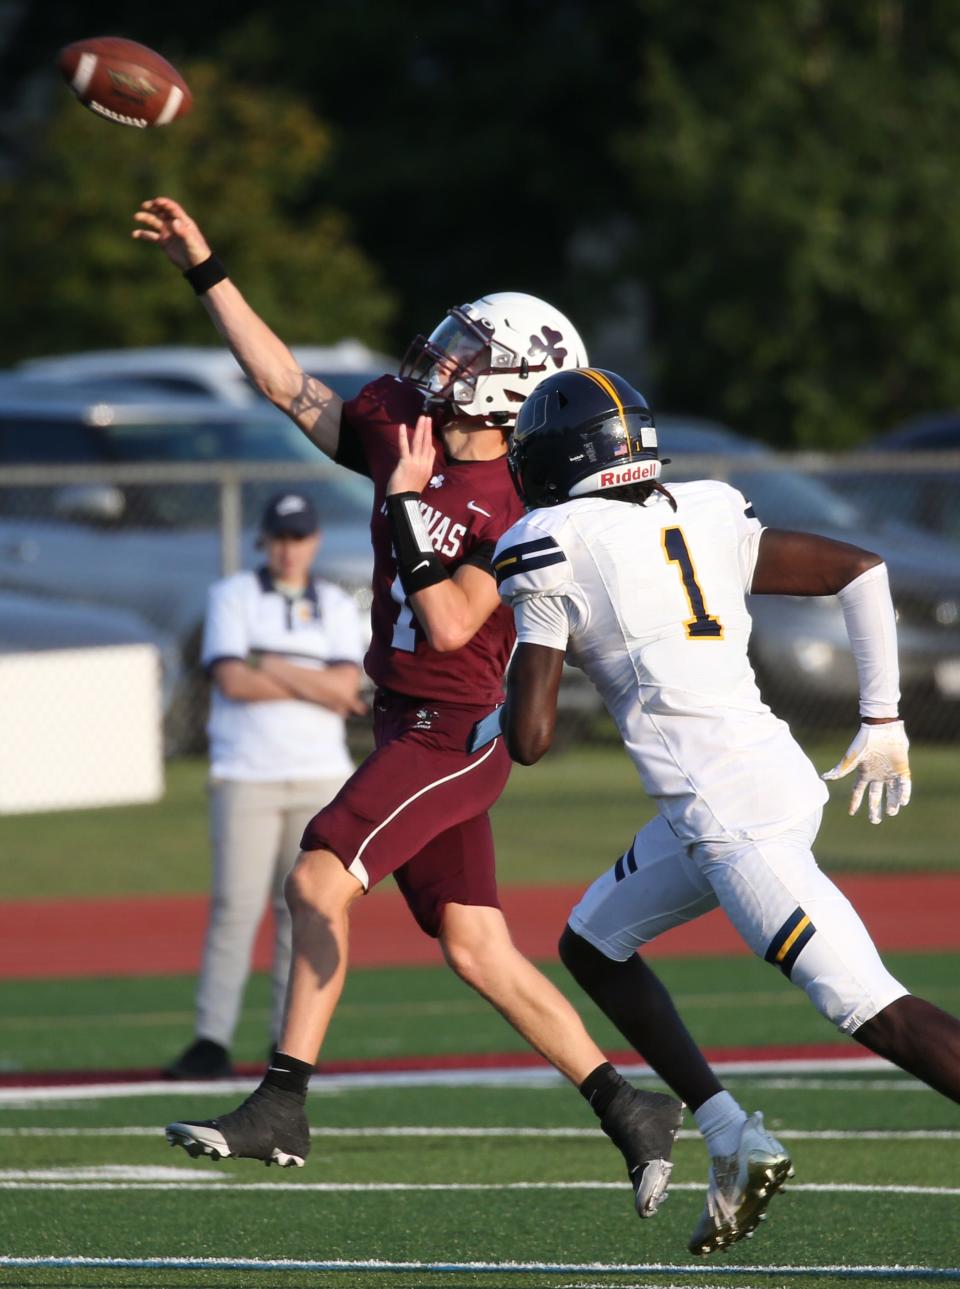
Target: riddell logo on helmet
[{"x": 630, "y": 474}]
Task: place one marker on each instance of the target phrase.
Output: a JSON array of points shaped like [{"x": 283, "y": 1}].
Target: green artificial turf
[
  {"x": 266, "y": 1214},
  {"x": 561, "y": 821},
  {"x": 409, "y": 1011}
]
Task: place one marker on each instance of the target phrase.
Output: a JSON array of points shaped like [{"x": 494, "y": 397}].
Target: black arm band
[
  {"x": 417, "y": 562},
  {"x": 206, "y": 274}
]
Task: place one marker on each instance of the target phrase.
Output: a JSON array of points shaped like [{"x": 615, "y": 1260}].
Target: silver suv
[{"x": 206, "y": 371}]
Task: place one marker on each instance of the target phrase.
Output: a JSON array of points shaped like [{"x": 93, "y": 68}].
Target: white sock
[{"x": 720, "y": 1120}]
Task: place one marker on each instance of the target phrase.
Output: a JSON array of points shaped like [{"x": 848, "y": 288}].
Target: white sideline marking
[
  {"x": 842, "y": 1272},
  {"x": 508, "y": 1077},
  {"x": 577, "y": 1134},
  {"x": 125, "y": 1177},
  {"x": 142, "y": 1173},
  {"x": 844, "y": 1085}
]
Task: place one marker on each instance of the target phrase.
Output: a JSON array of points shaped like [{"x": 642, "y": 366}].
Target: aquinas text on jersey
[{"x": 447, "y": 537}]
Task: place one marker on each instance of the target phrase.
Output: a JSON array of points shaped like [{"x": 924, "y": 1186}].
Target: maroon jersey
[{"x": 466, "y": 506}]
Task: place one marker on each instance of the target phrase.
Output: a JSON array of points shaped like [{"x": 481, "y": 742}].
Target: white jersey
[
  {"x": 286, "y": 739},
  {"x": 650, "y": 603}
]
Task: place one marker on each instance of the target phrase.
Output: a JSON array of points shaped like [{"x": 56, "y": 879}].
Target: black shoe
[
  {"x": 270, "y": 1125},
  {"x": 644, "y": 1125},
  {"x": 203, "y": 1059}
]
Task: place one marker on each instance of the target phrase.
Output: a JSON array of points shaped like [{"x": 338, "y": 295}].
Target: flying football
[{"x": 124, "y": 82}]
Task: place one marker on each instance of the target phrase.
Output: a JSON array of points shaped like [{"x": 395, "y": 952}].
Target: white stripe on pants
[{"x": 255, "y": 831}]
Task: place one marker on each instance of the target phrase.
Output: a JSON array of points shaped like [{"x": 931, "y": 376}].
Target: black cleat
[
  {"x": 203, "y": 1059},
  {"x": 270, "y": 1125},
  {"x": 644, "y": 1126}
]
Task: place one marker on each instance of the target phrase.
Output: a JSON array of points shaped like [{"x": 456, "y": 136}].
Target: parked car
[
  {"x": 799, "y": 646},
  {"x": 193, "y": 371},
  {"x": 913, "y": 484},
  {"x": 35, "y": 624},
  {"x": 927, "y": 432},
  {"x": 156, "y": 549}
]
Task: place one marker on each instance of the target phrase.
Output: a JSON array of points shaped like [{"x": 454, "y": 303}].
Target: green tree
[
  {"x": 797, "y": 212},
  {"x": 244, "y": 164}
]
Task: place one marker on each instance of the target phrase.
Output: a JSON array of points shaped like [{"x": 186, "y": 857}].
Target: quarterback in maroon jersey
[{"x": 434, "y": 442}]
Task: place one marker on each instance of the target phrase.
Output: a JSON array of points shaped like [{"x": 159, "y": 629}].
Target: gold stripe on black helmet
[{"x": 608, "y": 387}]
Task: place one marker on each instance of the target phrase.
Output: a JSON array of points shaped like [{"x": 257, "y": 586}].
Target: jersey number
[
  {"x": 702, "y": 626},
  {"x": 405, "y": 627}
]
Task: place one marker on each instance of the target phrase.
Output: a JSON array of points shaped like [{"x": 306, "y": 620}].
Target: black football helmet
[{"x": 582, "y": 431}]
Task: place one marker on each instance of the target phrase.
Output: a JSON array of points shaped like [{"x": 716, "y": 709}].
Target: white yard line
[
  {"x": 841, "y": 1272},
  {"x": 576, "y": 1134},
  {"x": 133, "y": 1177},
  {"x": 536, "y": 1076}
]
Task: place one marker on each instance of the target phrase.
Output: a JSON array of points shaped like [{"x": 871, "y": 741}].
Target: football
[{"x": 124, "y": 82}]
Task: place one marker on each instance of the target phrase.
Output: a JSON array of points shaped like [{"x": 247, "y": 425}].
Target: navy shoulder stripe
[
  {"x": 512, "y": 568},
  {"x": 525, "y": 557},
  {"x": 524, "y": 549}
]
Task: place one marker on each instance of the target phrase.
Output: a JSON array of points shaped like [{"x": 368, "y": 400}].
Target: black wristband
[
  {"x": 418, "y": 564},
  {"x": 206, "y": 274}
]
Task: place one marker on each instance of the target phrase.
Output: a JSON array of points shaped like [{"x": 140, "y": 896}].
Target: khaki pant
[{"x": 255, "y": 831}]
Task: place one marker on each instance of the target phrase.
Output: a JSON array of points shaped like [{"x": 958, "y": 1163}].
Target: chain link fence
[{"x": 99, "y": 555}]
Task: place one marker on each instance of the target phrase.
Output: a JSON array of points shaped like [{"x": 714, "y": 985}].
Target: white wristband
[{"x": 872, "y": 629}]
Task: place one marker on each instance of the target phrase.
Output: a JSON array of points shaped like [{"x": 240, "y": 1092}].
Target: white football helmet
[{"x": 486, "y": 357}]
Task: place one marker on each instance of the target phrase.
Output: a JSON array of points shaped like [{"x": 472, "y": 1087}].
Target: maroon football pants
[{"x": 418, "y": 808}]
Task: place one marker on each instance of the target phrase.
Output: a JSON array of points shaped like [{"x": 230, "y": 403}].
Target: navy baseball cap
[{"x": 290, "y": 514}]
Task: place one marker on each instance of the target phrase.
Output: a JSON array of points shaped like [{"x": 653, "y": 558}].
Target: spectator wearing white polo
[{"x": 283, "y": 650}]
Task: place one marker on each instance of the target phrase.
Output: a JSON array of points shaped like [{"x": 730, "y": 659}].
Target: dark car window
[
  {"x": 200, "y": 440},
  {"x": 347, "y": 384},
  {"x": 175, "y": 384},
  {"x": 49, "y": 441},
  {"x": 936, "y": 438},
  {"x": 344, "y": 499},
  {"x": 70, "y": 441},
  {"x": 795, "y": 501}
]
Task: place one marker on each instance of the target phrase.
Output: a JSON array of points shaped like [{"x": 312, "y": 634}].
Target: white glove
[{"x": 879, "y": 755}]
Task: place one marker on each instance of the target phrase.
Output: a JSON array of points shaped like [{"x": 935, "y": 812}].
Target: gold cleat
[{"x": 741, "y": 1186}]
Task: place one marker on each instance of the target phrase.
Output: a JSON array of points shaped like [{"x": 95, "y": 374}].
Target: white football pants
[{"x": 784, "y": 907}]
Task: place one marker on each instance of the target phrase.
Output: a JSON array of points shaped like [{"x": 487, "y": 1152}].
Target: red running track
[{"x": 163, "y": 935}]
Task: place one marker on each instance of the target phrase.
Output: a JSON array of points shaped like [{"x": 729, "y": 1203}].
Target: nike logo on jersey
[
  {"x": 422, "y": 564},
  {"x": 472, "y": 505}
]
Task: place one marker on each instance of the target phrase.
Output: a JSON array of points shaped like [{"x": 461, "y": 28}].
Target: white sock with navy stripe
[{"x": 721, "y": 1121}]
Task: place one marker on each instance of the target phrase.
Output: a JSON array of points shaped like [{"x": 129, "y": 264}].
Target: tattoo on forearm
[{"x": 313, "y": 396}]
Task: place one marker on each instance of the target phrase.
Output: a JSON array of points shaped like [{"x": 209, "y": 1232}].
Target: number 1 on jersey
[
  {"x": 405, "y": 627},
  {"x": 701, "y": 626}
]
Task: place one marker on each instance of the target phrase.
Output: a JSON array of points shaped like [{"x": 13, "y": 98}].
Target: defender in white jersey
[{"x": 644, "y": 589}]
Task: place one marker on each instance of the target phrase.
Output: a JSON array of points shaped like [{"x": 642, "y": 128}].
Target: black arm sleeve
[
  {"x": 482, "y": 557},
  {"x": 350, "y": 453}
]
